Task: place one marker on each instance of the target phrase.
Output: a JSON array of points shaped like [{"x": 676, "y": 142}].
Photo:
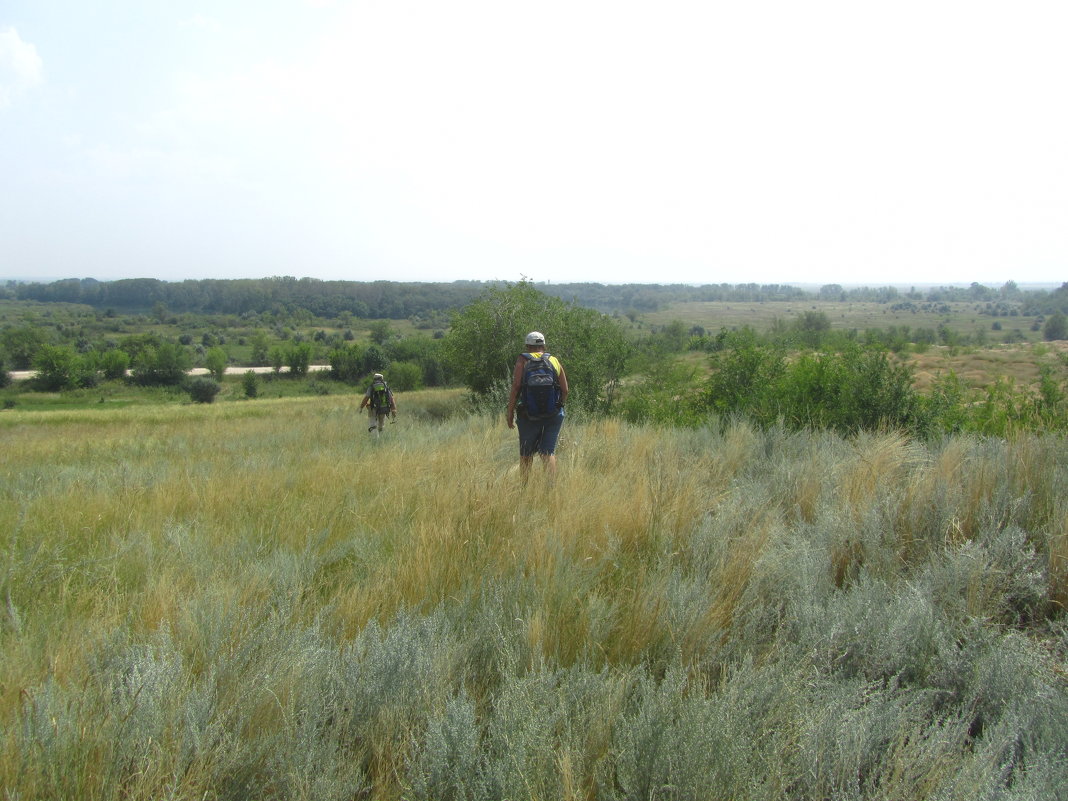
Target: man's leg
[{"x": 550, "y": 433}]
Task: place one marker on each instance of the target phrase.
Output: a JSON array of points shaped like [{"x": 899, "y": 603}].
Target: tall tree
[{"x": 487, "y": 336}]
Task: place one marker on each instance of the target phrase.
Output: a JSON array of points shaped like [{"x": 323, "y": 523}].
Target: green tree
[
  {"x": 487, "y": 336},
  {"x": 260, "y": 348},
  {"x": 405, "y": 376},
  {"x": 21, "y": 343},
  {"x": 162, "y": 366},
  {"x": 58, "y": 367},
  {"x": 114, "y": 363},
  {"x": 346, "y": 363},
  {"x": 381, "y": 332},
  {"x": 216, "y": 361},
  {"x": 375, "y": 359},
  {"x": 299, "y": 357},
  {"x": 277, "y": 358}
]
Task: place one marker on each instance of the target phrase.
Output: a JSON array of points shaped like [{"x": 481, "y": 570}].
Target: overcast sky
[{"x": 776, "y": 142}]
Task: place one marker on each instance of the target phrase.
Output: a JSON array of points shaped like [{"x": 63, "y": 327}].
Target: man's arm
[{"x": 513, "y": 394}]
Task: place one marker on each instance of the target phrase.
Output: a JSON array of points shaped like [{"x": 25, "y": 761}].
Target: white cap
[
  {"x": 535, "y": 338},
  {"x": 379, "y": 375}
]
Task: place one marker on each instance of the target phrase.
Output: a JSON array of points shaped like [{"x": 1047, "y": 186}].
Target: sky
[{"x": 767, "y": 141}]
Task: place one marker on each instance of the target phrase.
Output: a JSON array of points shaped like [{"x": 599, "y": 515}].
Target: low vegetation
[
  {"x": 784, "y": 558},
  {"x": 258, "y": 600}
]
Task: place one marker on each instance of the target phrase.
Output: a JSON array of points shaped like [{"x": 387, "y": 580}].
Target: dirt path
[{"x": 22, "y": 375}]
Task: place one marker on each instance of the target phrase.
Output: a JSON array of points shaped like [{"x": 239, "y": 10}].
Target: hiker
[
  {"x": 536, "y": 404},
  {"x": 379, "y": 401}
]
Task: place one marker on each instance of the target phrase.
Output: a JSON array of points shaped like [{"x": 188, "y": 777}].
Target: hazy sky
[{"x": 776, "y": 142}]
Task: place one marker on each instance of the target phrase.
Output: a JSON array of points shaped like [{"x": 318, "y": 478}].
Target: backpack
[
  {"x": 540, "y": 390},
  {"x": 380, "y": 397}
]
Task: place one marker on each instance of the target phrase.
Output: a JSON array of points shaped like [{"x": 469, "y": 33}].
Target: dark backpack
[
  {"x": 380, "y": 397},
  {"x": 540, "y": 390}
]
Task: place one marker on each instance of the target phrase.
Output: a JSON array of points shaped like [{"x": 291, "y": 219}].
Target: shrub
[
  {"x": 375, "y": 359},
  {"x": 298, "y": 357},
  {"x": 203, "y": 389},
  {"x": 346, "y": 363},
  {"x": 1056, "y": 327},
  {"x": 165, "y": 365},
  {"x": 250, "y": 384},
  {"x": 59, "y": 367},
  {"x": 216, "y": 361},
  {"x": 405, "y": 376},
  {"x": 114, "y": 363}
]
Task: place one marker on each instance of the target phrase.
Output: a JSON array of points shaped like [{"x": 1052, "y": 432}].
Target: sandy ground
[{"x": 22, "y": 375}]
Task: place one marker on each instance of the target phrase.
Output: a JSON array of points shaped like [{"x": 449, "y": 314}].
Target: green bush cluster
[{"x": 847, "y": 387}]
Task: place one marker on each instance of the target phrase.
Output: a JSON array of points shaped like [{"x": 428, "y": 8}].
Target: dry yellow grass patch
[{"x": 980, "y": 368}]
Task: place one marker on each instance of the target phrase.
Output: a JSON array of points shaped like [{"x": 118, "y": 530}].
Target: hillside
[{"x": 256, "y": 600}]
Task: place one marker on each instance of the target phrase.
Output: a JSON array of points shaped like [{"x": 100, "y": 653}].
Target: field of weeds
[
  {"x": 263, "y": 601},
  {"x": 979, "y": 368}
]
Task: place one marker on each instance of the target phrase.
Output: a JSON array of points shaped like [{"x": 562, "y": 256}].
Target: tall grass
[{"x": 262, "y": 600}]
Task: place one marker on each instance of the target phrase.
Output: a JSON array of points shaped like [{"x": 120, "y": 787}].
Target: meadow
[
  {"x": 258, "y": 600},
  {"x": 965, "y": 319}
]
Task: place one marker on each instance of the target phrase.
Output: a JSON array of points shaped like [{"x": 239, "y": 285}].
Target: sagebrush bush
[
  {"x": 706, "y": 613},
  {"x": 203, "y": 390}
]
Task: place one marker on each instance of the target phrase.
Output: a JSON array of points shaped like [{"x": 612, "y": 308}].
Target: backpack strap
[{"x": 543, "y": 356}]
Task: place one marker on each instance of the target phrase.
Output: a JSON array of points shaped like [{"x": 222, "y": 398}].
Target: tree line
[{"x": 404, "y": 300}]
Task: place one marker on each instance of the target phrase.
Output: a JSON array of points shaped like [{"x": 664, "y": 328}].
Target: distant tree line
[
  {"x": 375, "y": 299},
  {"x": 434, "y": 301}
]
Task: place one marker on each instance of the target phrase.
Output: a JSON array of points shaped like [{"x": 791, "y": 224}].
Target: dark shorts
[{"x": 539, "y": 436}]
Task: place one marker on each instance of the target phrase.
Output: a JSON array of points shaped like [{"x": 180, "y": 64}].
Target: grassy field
[
  {"x": 980, "y": 367},
  {"x": 259, "y": 600},
  {"x": 962, "y": 318}
]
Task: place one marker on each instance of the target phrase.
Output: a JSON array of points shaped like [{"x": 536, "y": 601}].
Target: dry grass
[
  {"x": 981, "y": 367},
  {"x": 256, "y": 542}
]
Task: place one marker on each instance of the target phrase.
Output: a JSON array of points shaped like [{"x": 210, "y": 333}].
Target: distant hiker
[
  {"x": 378, "y": 400},
  {"x": 536, "y": 403}
]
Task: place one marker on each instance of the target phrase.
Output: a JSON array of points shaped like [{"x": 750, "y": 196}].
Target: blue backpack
[{"x": 540, "y": 390}]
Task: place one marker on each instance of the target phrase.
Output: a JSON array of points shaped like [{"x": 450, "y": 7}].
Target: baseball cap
[
  {"x": 535, "y": 338},
  {"x": 379, "y": 375}
]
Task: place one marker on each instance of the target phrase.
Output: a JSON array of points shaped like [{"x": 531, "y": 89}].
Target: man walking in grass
[
  {"x": 378, "y": 400},
  {"x": 536, "y": 403}
]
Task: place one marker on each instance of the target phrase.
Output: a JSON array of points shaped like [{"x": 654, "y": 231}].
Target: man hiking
[
  {"x": 378, "y": 400},
  {"x": 536, "y": 404}
]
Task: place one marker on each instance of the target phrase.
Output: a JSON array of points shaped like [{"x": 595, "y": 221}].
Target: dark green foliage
[
  {"x": 1056, "y": 327},
  {"x": 250, "y": 384},
  {"x": 60, "y": 367},
  {"x": 405, "y": 376},
  {"x": 381, "y": 332},
  {"x": 114, "y": 363},
  {"x": 260, "y": 349},
  {"x": 346, "y": 363},
  {"x": 203, "y": 389},
  {"x": 165, "y": 365},
  {"x": 298, "y": 358},
  {"x": 375, "y": 359},
  {"x": 486, "y": 338},
  {"x": 5, "y": 376},
  {"x": 21, "y": 343},
  {"x": 847, "y": 389}
]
